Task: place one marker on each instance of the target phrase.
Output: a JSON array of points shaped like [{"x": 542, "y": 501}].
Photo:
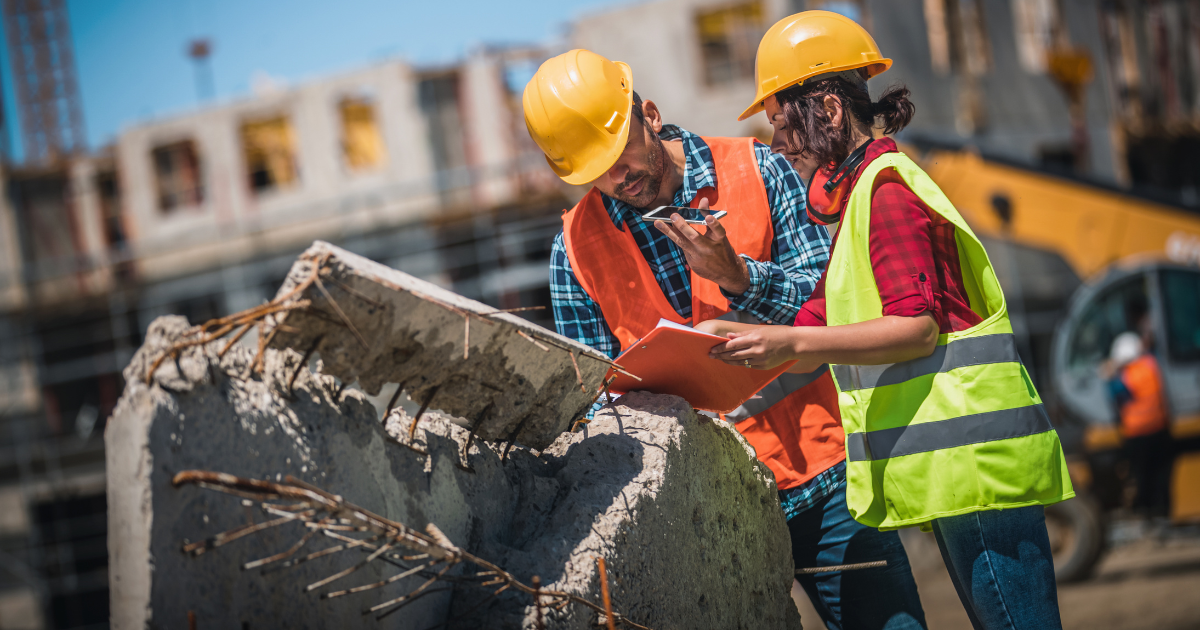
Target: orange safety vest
[
  {"x": 794, "y": 424},
  {"x": 1146, "y": 411}
]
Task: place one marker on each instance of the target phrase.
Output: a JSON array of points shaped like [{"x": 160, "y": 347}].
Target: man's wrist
[
  {"x": 740, "y": 283},
  {"x": 751, "y": 283}
]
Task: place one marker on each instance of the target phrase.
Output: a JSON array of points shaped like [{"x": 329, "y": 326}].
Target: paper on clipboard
[{"x": 673, "y": 359}]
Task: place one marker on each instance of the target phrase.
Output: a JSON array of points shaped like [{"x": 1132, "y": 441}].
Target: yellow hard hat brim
[
  {"x": 599, "y": 164},
  {"x": 877, "y": 67}
]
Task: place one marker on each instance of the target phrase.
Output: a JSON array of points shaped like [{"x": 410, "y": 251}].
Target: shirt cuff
[
  {"x": 909, "y": 306},
  {"x": 758, "y": 284}
]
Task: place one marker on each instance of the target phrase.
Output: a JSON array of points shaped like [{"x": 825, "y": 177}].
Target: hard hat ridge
[{"x": 577, "y": 109}]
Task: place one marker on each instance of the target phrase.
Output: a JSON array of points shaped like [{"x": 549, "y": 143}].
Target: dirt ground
[{"x": 1145, "y": 584}]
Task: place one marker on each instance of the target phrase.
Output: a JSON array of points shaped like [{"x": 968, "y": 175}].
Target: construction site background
[{"x": 431, "y": 171}]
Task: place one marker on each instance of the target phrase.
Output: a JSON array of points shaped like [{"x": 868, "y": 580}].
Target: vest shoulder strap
[{"x": 851, "y": 293}]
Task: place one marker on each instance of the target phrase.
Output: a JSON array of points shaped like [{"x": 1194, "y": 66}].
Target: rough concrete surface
[
  {"x": 687, "y": 519},
  {"x": 508, "y": 387}
]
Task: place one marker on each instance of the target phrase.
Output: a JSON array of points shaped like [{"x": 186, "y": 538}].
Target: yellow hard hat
[
  {"x": 807, "y": 44},
  {"x": 577, "y": 110}
]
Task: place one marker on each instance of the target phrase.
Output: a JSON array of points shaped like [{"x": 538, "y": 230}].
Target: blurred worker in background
[
  {"x": 614, "y": 275},
  {"x": 1136, "y": 386},
  {"x": 944, "y": 428}
]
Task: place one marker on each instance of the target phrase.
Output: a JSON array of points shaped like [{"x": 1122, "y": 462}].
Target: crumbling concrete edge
[{"x": 130, "y": 516}]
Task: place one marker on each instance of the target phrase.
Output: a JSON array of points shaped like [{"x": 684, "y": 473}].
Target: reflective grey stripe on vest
[
  {"x": 774, "y": 392},
  {"x": 956, "y": 354},
  {"x": 932, "y": 436}
]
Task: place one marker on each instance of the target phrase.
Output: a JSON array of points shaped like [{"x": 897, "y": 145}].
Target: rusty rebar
[
  {"x": 392, "y": 402},
  {"x": 578, "y": 374},
  {"x": 608, "y": 613},
  {"x": 412, "y": 430},
  {"x": 537, "y": 343},
  {"x": 303, "y": 362},
  {"x": 539, "y": 623},
  {"x": 842, "y": 567},
  {"x": 321, "y": 510},
  {"x": 234, "y": 339}
]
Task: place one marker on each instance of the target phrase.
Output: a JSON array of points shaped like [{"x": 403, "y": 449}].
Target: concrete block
[
  {"x": 688, "y": 520},
  {"x": 516, "y": 382}
]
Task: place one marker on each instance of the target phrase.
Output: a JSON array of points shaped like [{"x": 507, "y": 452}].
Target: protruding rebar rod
[
  {"x": 842, "y": 567},
  {"x": 303, "y": 362},
  {"x": 412, "y": 430},
  {"x": 608, "y": 613},
  {"x": 539, "y": 623}
]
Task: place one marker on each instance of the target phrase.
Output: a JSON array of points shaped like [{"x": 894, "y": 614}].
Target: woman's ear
[{"x": 833, "y": 109}]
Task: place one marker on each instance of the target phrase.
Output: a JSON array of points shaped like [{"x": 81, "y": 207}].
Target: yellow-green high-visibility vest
[{"x": 959, "y": 431}]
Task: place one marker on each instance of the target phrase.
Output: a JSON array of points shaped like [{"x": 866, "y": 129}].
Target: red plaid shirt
[{"x": 913, "y": 254}]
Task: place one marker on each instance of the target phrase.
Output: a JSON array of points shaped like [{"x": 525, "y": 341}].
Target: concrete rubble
[
  {"x": 370, "y": 323},
  {"x": 688, "y": 521}
]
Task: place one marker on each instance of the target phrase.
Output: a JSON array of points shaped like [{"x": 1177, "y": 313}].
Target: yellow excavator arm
[{"x": 1090, "y": 226}]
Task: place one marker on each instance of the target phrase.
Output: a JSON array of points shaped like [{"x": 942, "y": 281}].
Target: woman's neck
[{"x": 859, "y": 133}]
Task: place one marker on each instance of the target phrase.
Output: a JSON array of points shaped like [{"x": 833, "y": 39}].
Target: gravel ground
[{"x": 1145, "y": 584}]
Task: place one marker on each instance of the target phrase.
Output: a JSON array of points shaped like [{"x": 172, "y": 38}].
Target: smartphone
[{"x": 691, "y": 215}]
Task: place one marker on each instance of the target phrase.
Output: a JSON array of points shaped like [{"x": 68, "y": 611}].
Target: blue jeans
[
  {"x": 864, "y": 599},
  {"x": 1002, "y": 568}
]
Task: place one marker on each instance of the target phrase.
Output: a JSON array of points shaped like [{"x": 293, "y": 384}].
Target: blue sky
[{"x": 130, "y": 54}]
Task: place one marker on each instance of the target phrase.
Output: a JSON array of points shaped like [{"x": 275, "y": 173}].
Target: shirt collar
[{"x": 698, "y": 172}]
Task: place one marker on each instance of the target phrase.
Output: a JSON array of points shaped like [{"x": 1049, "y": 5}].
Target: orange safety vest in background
[
  {"x": 794, "y": 426},
  {"x": 1146, "y": 411}
]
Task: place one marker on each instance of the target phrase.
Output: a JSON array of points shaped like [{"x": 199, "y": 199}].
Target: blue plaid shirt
[
  {"x": 778, "y": 288},
  {"x": 796, "y": 500}
]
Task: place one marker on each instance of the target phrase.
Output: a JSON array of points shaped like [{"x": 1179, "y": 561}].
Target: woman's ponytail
[{"x": 894, "y": 108}]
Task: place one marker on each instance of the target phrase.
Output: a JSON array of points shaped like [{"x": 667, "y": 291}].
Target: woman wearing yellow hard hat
[{"x": 944, "y": 428}]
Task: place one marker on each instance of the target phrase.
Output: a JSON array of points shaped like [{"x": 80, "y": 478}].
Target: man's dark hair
[{"x": 636, "y": 111}]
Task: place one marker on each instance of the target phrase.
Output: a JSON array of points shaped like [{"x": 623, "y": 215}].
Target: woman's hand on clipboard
[{"x": 763, "y": 347}]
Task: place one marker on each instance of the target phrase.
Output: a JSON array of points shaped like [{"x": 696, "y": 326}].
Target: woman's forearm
[
  {"x": 720, "y": 327},
  {"x": 888, "y": 339}
]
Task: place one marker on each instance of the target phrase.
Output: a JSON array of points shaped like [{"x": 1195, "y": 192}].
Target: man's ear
[{"x": 653, "y": 116}]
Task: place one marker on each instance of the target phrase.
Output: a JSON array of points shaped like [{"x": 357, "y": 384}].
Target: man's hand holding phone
[{"x": 710, "y": 255}]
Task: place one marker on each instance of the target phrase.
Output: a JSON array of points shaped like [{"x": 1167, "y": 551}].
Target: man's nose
[{"x": 617, "y": 174}]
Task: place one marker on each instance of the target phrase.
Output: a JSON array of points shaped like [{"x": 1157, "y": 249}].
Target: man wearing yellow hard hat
[
  {"x": 616, "y": 274},
  {"x": 944, "y": 428}
]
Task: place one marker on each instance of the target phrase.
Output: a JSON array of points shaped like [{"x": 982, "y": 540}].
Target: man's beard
[{"x": 652, "y": 177}]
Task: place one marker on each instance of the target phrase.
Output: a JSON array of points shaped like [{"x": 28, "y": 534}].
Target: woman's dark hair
[{"x": 808, "y": 126}]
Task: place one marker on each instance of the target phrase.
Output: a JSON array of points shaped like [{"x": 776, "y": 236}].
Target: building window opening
[
  {"x": 958, "y": 39},
  {"x": 362, "y": 144},
  {"x": 269, "y": 149},
  {"x": 177, "y": 170},
  {"x": 110, "y": 209},
  {"x": 438, "y": 95},
  {"x": 729, "y": 39}
]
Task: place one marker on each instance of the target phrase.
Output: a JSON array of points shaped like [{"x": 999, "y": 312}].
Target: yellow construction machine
[{"x": 1072, "y": 255}]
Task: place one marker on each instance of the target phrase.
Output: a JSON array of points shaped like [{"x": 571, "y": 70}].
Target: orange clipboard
[{"x": 675, "y": 361}]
